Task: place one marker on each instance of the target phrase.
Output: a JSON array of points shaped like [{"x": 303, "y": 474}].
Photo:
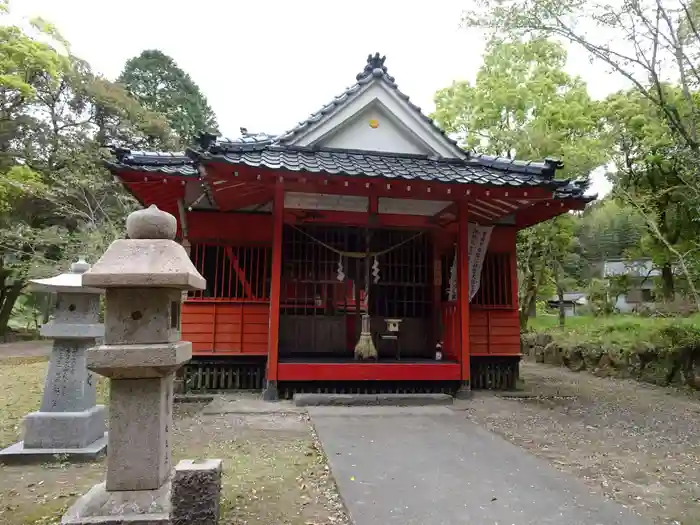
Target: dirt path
[{"x": 639, "y": 444}]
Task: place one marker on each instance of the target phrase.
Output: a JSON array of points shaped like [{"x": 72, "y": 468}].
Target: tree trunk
[
  {"x": 9, "y": 299},
  {"x": 562, "y": 310},
  {"x": 527, "y": 303},
  {"x": 667, "y": 281},
  {"x": 560, "y": 294}
]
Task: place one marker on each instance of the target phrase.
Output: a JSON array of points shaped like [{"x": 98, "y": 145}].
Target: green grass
[
  {"x": 545, "y": 322},
  {"x": 623, "y": 333}
]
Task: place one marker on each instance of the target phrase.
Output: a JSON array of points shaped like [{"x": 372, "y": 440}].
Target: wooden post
[
  {"x": 463, "y": 299},
  {"x": 270, "y": 393}
]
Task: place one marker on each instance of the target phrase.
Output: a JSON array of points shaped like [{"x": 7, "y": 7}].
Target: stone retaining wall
[{"x": 657, "y": 365}]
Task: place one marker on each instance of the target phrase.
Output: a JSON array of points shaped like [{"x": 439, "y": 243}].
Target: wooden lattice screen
[
  {"x": 233, "y": 273},
  {"x": 495, "y": 290},
  {"x": 496, "y": 287}
]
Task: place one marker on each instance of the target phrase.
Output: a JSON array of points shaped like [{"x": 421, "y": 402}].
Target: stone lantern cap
[
  {"x": 149, "y": 258},
  {"x": 69, "y": 282}
]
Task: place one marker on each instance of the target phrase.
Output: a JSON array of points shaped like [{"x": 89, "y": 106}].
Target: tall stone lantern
[
  {"x": 68, "y": 423},
  {"x": 144, "y": 277}
]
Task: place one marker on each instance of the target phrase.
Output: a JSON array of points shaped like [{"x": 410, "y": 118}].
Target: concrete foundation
[
  {"x": 271, "y": 393},
  {"x": 308, "y": 400},
  {"x": 64, "y": 429},
  {"x": 464, "y": 391}
]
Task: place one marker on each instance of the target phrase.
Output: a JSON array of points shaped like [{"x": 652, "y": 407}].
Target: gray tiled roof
[
  {"x": 478, "y": 169},
  {"x": 638, "y": 268},
  {"x": 167, "y": 163}
]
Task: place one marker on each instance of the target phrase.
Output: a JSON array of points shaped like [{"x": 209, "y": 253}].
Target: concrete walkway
[{"x": 430, "y": 466}]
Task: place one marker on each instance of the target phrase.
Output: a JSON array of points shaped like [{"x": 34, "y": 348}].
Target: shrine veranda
[{"x": 364, "y": 209}]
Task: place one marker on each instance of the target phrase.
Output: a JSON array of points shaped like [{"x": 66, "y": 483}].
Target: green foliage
[
  {"x": 651, "y": 177},
  {"x": 57, "y": 202},
  {"x": 158, "y": 84},
  {"x": 523, "y": 104},
  {"x": 22, "y": 60},
  {"x": 603, "y": 293},
  {"x": 653, "y": 126},
  {"x": 607, "y": 229}
]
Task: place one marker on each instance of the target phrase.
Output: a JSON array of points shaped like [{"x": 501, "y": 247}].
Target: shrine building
[{"x": 361, "y": 251}]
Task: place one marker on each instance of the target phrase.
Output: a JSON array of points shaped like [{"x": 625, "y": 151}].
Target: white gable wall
[
  {"x": 414, "y": 134},
  {"x": 389, "y": 137}
]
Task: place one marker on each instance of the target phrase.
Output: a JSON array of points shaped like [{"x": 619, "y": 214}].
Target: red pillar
[
  {"x": 275, "y": 291},
  {"x": 463, "y": 294}
]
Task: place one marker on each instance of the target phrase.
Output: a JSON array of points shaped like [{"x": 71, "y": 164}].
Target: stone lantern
[
  {"x": 68, "y": 422},
  {"x": 144, "y": 277}
]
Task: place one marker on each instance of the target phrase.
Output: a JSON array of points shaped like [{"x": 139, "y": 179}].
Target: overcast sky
[{"x": 266, "y": 65}]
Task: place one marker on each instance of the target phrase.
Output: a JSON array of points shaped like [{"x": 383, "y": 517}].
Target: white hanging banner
[{"x": 479, "y": 237}]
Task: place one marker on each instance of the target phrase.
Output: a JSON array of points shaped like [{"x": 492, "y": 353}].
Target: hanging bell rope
[{"x": 357, "y": 255}]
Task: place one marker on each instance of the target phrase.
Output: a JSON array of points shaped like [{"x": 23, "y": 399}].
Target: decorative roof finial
[
  {"x": 375, "y": 66},
  {"x": 205, "y": 140}
]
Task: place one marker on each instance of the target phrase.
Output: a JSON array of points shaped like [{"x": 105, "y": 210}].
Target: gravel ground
[{"x": 638, "y": 443}]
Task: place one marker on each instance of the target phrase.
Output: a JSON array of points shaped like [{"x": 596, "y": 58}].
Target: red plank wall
[
  {"x": 227, "y": 327},
  {"x": 497, "y": 331}
]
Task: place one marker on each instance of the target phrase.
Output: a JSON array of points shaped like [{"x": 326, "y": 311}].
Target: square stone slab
[
  {"x": 17, "y": 454},
  {"x": 142, "y": 507}
]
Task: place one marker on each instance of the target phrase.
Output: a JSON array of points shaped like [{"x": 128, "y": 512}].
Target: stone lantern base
[
  {"x": 189, "y": 497},
  {"x": 18, "y": 453},
  {"x": 68, "y": 426}
]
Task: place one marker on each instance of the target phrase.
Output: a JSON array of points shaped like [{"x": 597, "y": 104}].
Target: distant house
[
  {"x": 573, "y": 302},
  {"x": 641, "y": 274}
]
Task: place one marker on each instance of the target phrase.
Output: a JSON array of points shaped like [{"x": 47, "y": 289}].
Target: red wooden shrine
[{"x": 278, "y": 225}]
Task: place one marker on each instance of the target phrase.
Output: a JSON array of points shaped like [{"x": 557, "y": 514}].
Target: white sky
[{"x": 266, "y": 65}]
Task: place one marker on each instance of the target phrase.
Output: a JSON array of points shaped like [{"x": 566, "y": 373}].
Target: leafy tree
[
  {"x": 606, "y": 230},
  {"x": 56, "y": 200},
  {"x": 655, "y": 50},
  {"x": 650, "y": 177},
  {"x": 523, "y": 104},
  {"x": 158, "y": 84}
]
